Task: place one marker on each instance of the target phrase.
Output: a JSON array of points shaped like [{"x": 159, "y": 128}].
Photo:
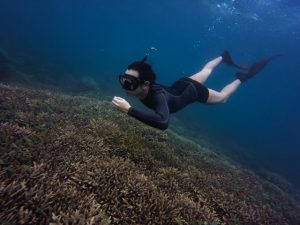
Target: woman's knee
[{"x": 216, "y": 98}]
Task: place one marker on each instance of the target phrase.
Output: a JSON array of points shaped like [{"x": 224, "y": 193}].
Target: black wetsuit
[{"x": 166, "y": 100}]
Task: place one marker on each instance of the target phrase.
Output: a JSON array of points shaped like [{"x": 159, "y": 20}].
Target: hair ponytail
[{"x": 144, "y": 69}]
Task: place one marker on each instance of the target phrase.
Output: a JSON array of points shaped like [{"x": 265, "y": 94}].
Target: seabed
[{"x": 77, "y": 160}]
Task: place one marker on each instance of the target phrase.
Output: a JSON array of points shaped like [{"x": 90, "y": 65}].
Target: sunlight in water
[{"x": 265, "y": 13}]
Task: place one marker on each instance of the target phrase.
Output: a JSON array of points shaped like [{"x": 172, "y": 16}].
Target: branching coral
[{"x": 75, "y": 160}]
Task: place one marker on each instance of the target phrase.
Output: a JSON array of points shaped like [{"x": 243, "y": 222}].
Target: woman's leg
[
  {"x": 202, "y": 76},
  {"x": 215, "y": 97}
]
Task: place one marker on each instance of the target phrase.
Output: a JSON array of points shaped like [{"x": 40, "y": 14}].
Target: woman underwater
[{"x": 139, "y": 81}]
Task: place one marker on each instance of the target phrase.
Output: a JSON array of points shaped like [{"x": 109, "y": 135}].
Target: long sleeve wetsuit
[{"x": 166, "y": 100}]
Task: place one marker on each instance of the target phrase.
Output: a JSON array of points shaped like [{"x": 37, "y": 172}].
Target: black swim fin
[
  {"x": 226, "y": 58},
  {"x": 255, "y": 68}
]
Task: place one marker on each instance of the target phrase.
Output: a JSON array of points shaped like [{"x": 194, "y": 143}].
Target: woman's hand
[{"x": 121, "y": 103}]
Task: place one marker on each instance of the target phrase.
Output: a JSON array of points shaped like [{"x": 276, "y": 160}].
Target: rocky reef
[{"x": 78, "y": 160}]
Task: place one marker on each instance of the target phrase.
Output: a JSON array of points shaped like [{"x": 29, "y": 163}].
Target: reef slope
[{"x": 78, "y": 160}]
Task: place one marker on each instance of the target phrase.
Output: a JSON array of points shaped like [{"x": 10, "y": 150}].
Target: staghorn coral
[{"x": 75, "y": 160}]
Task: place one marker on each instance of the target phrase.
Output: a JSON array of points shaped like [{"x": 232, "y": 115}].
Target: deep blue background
[{"x": 100, "y": 38}]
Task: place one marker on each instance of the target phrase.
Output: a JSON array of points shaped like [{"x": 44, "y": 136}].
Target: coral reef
[
  {"x": 4, "y": 65},
  {"x": 8, "y": 71},
  {"x": 34, "y": 72},
  {"x": 86, "y": 84},
  {"x": 78, "y": 160}
]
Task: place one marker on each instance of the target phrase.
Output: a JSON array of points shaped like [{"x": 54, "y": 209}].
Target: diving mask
[{"x": 129, "y": 82}]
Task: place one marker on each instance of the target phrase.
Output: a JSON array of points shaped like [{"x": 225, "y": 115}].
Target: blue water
[{"x": 100, "y": 38}]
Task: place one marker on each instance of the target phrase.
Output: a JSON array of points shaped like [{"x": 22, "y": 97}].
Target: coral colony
[{"x": 77, "y": 160}]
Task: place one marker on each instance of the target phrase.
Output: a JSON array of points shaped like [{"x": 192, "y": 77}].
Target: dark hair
[{"x": 144, "y": 69}]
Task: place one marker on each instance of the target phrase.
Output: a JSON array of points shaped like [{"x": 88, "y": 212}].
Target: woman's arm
[{"x": 158, "y": 118}]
